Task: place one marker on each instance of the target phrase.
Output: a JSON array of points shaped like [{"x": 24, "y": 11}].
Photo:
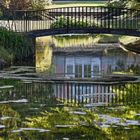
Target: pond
[
  {"x": 81, "y": 56},
  {"x": 78, "y": 90}
]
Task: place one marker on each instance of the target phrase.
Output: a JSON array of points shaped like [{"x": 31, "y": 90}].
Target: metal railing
[{"x": 69, "y": 19}]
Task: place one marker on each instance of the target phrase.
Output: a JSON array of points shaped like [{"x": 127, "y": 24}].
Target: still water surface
[{"x": 29, "y": 110}]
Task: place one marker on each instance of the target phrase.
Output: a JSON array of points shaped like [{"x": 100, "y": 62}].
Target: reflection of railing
[
  {"x": 99, "y": 93},
  {"x": 99, "y": 98},
  {"x": 85, "y": 92}
]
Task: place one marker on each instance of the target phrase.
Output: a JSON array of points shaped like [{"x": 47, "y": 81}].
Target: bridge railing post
[
  {"x": 136, "y": 19},
  {"x": 68, "y": 22},
  {"x": 101, "y": 18},
  {"x": 86, "y": 17},
  {"x": 108, "y": 24}
]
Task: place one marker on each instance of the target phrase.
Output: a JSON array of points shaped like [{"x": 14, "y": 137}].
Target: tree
[
  {"x": 39, "y": 4},
  {"x": 134, "y": 4},
  {"x": 19, "y": 5},
  {"x": 26, "y": 4}
]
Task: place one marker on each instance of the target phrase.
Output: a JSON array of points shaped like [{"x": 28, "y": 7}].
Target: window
[
  {"x": 69, "y": 69},
  {"x": 96, "y": 69},
  {"x": 87, "y": 70},
  {"x": 78, "y": 70}
]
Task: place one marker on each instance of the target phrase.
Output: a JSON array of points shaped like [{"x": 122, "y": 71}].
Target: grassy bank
[{"x": 76, "y": 3}]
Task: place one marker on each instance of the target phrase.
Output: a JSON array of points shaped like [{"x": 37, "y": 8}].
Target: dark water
[{"x": 30, "y": 109}]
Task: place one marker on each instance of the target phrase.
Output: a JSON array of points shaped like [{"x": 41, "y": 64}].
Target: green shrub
[
  {"x": 26, "y": 4},
  {"x": 63, "y": 22},
  {"x": 39, "y": 4},
  {"x": 5, "y": 55},
  {"x": 134, "y": 4},
  {"x": 116, "y": 3},
  {"x": 134, "y": 68},
  {"x": 1, "y": 14},
  {"x": 17, "y": 45}
]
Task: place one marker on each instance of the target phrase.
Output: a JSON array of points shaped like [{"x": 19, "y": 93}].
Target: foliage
[
  {"x": 15, "y": 45},
  {"x": 44, "y": 59},
  {"x": 128, "y": 94},
  {"x": 83, "y": 126},
  {"x": 5, "y": 56},
  {"x": 106, "y": 39},
  {"x": 79, "y": 126},
  {"x": 73, "y": 122},
  {"x": 120, "y": 64},
  {"x": 132, "y": 96},
  {"x": 6, "y": 110},
  {"x": 124, "y": 112},
  {"x": 39, "y": 4},
  {"x": 1, "y": 13},
  {"x": 116, "y": 3},
  {"x": 134, "y": 68},
  {"x": 134, "y": 4},
  {"x": 71, "y": 37},
  {"x": 9, "y": 118},
  {"x": 26, "y": 4},
  {"x": 4, "y": 82},
  {"x": 63, "y": 22}
]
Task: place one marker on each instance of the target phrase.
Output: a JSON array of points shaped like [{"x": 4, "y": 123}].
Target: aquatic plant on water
[{"x": 65, "y": 122}]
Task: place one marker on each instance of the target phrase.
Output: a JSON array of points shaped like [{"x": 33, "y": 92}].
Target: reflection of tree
[
  {"x": 129, "y": 93},
  {"x": 30, "y": 135},
  {"x": 80, "y": 126},
  {"x": 13, "y": 117},
  {"x": 75, "y": 126},
  {"x": 43, "y": 58},
  {"x": 34, "y": 92},
  {"x": 120, "y": 64},
  {"x": 134, "y": 68},
  {"x": 120, "y": 133},
  {"x": 84, "y": 126}
]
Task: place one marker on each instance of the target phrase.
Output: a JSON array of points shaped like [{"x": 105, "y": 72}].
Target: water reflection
[
  {"x": 43, "y": 49},
  {"x": 81, "y": 57},
  {"x": 29, "y": 110},
  {"x": 25, "y": 91},
  {"x": 60, "y": 104}
]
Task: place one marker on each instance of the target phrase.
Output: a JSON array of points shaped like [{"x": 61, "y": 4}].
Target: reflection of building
[
  {"x": 90, "y": 62},
  {"x": 84, "y": 67},
  {"x": 83, "y": 61}
]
